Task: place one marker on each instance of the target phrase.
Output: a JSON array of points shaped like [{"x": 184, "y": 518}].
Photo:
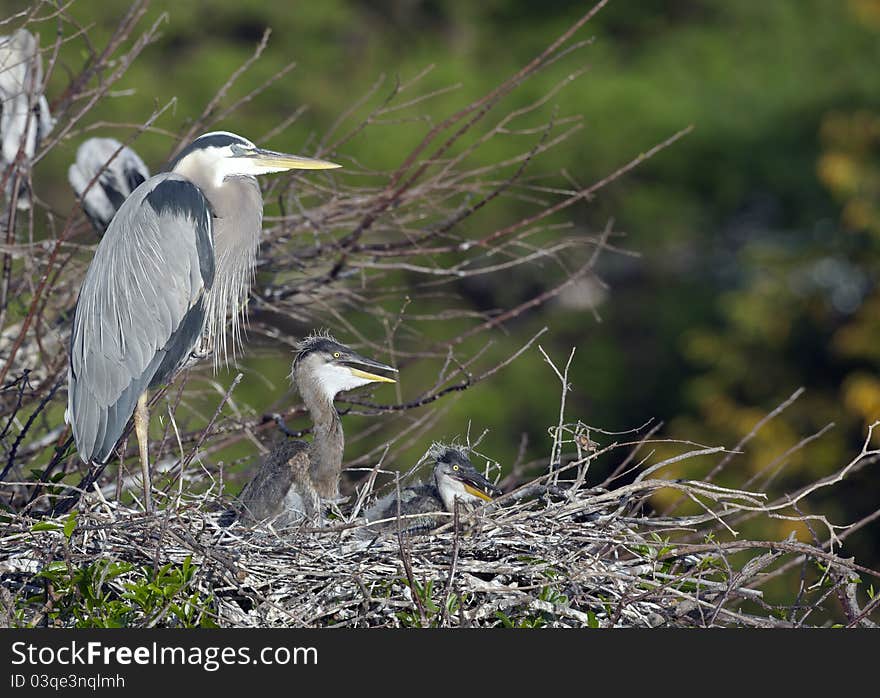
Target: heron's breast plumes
[{"x": 238, "y": 221}]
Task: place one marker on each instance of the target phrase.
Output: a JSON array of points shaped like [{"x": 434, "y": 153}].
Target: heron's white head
[
  {"x": 224, "y": 154},
  {"x": 329, "y": 368},
  {"x": 457, "y": 478}
]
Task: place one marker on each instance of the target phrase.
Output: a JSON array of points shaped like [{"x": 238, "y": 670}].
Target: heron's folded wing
[
  {"x": 140, "y": 309},
  {"x": 265, "y": 495}
]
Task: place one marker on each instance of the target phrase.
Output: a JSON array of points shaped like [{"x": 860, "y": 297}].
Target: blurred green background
[{"x": 758, "y": 233}]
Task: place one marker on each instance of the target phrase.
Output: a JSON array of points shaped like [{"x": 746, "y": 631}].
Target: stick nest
[{"x": 551, "y": 553}]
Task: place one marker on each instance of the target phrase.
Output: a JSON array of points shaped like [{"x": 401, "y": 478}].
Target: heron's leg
[{"x": 141, "y": 427}]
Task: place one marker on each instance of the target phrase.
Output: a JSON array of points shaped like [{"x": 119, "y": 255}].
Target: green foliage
[
  {"x": 113, "y": 594},
  {"x": 430, "y": 600},
  {"x": 528, "y": 619}
]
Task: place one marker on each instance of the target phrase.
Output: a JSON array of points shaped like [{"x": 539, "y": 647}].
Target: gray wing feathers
[
  {"x": 418, "y": 503},
  {"x": 138, "y": 308},
  {"x": 267, "y": 493}
]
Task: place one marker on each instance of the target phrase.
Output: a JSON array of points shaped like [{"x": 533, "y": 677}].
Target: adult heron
[
  {"x": 296, "y": 476},
  {"x": 24, "y": 113},
  {"x": 176, "y": 261},
  {"x": 114, "y": 170},
  {"x": 454, "y": 479}
]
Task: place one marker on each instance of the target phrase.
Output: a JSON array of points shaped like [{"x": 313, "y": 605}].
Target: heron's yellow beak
[
  {"x": 470, "y": 489},
  {"x": 282, "y": 161},
  {"x": 370, "y": 376}
]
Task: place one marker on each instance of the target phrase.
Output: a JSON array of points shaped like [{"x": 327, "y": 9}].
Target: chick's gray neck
[{"x": 328, "y": 442}]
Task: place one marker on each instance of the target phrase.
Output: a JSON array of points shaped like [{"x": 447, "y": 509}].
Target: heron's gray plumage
[
  {"x": 418, "y": 507},
  {"x": 24, "y": 112},
  {"x": 175, "y": 264},
  {"x": 279, "y": 492},
  {"x": 118, "y": 178},
  {"x": 141, "y": 307}
]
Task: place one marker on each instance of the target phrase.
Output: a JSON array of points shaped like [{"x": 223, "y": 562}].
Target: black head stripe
[
  {"x": 453, "y": 455},
  {"x": 317, "y": 343},
  {"x": 211, "y": 140}
]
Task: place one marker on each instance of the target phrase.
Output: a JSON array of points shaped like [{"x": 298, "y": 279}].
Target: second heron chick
[
  {"x": 455, "y": 479},
  {"x": 296, "y": 476}
]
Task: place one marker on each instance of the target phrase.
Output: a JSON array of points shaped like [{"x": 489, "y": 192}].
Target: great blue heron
[
  {"x": 455, "y": 479},
  {"x": 118, "y": 178},
  {"x": 176, "y": 261},
  {"x": 24, "y": 113},
  {"x": 293, "y": 479}
]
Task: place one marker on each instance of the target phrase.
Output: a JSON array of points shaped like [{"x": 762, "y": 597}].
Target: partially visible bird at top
[
  {"x": 118, "y": 178},
  {"x": 24, "y": 112},
  {"x": 454, "y": 479},
  {"x": 296, "y": 476},
  {"x": 175, "y": 264}
]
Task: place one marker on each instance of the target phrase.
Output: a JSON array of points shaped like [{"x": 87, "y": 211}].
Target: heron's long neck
[
  {"x": 238, "y": 221},
  {"x": 328, "y": 443}
]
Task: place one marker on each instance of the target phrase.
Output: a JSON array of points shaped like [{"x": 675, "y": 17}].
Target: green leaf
[
  {"x": 70, "y": 525},
  {"x": 45, "y": 526},
  {"x": 505, "y": 620}
]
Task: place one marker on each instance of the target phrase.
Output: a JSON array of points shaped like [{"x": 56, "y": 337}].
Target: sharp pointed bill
[
  {"x": 271, "y": 161},
  {"x": 476, "y": 483},
  {"x": 354, "y": 361},
  {"x": 470, "y": 489},
  {"x": 372, "y": 377}
]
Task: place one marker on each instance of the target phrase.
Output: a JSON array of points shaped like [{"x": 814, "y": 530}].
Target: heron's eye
[
  {"x": 455, "y": 467},
  {"x": 336, "y": 354}
]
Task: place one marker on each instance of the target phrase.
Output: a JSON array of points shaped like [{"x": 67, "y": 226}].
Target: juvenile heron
[
  {"x": 121, "y": 172},
  {"x": 176, "y": 261},
  {"x": 24, "y": 113},
  {"x": 293, "y": 479},
  {"x": 455, "y": 478}
]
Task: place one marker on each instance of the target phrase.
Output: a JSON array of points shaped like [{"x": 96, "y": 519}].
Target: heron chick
[
  {"x": 176, "y": 262},
  {"x": 454, "y": 479},
  {"x": 297, "y": 476}
]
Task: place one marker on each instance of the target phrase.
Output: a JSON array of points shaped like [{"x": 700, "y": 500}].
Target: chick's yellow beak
[
  {"x": 370, "y": 376},
  {"x": 470, "y": 489}
]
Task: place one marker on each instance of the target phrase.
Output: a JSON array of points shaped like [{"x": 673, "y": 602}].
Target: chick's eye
[{"x": 336, "y": 354}]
